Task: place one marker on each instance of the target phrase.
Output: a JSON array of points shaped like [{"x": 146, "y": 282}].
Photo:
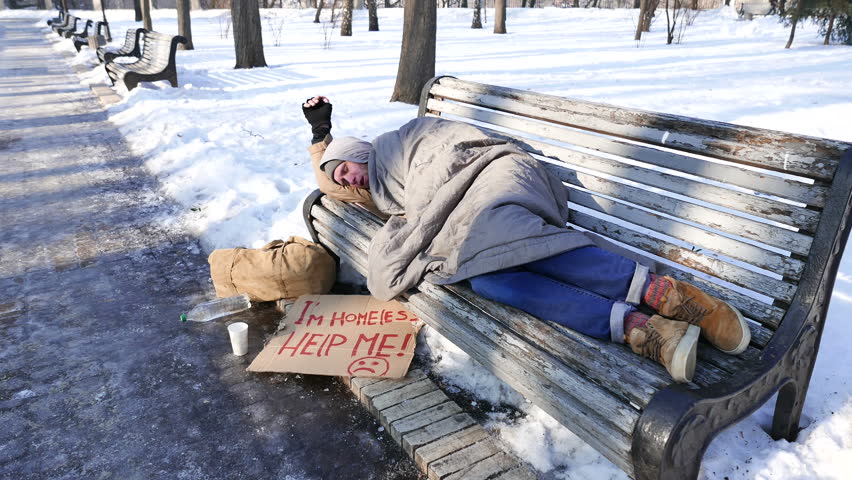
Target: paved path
[{"x": 98, "y": 378}]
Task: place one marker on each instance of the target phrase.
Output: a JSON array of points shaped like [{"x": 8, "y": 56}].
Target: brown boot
[
  {"x": 721, "y": 324},
  {"x": 669, "y": 342}
]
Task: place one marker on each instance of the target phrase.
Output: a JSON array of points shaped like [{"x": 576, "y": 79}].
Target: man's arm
[{"x": 318, "y": 112}]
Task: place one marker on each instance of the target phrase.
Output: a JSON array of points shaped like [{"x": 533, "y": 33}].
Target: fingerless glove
[{"x": 319, "y": 117}]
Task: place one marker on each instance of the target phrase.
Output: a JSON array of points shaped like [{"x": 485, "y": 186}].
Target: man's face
[{"x": 351, "y": 174}]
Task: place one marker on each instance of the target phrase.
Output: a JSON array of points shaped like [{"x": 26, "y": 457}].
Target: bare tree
[
  {"x": 417, "y": 56},
  {"x": 146, "y": 14},
  {"x": 477, "y": 17},
  {"x": 499, "y": 16},
  {"x": 319, "y": 10},
  {"x": 373, "y": 14},
  {"x": 184, "y": 24},
  {"x": 797, "y": 14},
  {"x": 248, "y": 37},
  {"x": 346, "y": 23}
]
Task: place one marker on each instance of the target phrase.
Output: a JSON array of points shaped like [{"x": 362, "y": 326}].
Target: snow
[{"x": 229, "y": 147}]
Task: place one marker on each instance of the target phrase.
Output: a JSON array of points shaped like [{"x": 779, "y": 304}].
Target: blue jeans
[{"x": 588, "y": 289}]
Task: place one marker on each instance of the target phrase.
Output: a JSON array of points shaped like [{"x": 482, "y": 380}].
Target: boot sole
[
  {"x": 741, "y": 347},
  {"x": 683, "y": 359}
]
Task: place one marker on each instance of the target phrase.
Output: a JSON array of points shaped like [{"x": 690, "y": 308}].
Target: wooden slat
[
  {"x": 610, "y": 435},
  {"x": 803, "y": 155},
  {"x": 427, "y": 454},
  {"x": 697, "y": 261},
  {"x": 487, "y": 468},
  {"x": 771, "y": 235},
  {"x": 708, "y": 241},
  {"x": 784, "y": 213},
  {"x": 463, "y": 460},
  {"x": 412, "y": 406},
  {"x": 571, "y": 347},
  {"x": 730, "y": 174},
  {"x": 769, "y": 209},
  {"x": 594, "y": 358}
]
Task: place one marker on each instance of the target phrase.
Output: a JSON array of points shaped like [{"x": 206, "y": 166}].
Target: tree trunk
[
  {"x": 373, "y": 15},
  {"x": 727, "y": 3},
  {"x": 670, "y": 25},
  {"x": 319, "y": 10},
  {"x": 830, "y": 28},
  {"x": 640, "y": 22},
  {"x": 576, "y": 4},
  {"x": 637, "y": 3},
  {"x": 523, "y": 3},
  {"x": 184, "y": 23},
  {"x": 532, "y": 3},
  {"x": 417, "y": 56},
  {"x": 782, "y": 7},
  {"x": 800, "y": 7},
  {"x": 146, "y": 15},
  {"x": 477, "y": 14},
  {"x": 248, "y": 40},
  {"x": 499, "y": 16},
  {"x": 463, "y": 4},
  {"x": 137, "y": 8},
  {"x": 346, "y": 22}
]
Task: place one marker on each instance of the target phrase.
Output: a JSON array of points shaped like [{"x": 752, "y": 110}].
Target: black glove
[{"x": 319, "y": 116}]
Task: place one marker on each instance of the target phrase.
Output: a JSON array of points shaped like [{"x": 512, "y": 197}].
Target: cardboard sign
[{"x": 348, "y": 335}]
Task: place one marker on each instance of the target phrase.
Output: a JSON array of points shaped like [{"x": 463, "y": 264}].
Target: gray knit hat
[{"x": 344, "y": 149}]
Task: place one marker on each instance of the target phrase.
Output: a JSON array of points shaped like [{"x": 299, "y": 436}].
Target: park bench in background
[
  {"x": 70, "y": 23},
  {"x": 71, "y": 32},
  {"x": 101, "y": 37},
  {"x": 131, "y": 48},
  {"x": 754, "y": 216},
  {"x": 156, "y": 63},
  {"x": 82, "y": 39},
  {"x": 57, "y": 20}
]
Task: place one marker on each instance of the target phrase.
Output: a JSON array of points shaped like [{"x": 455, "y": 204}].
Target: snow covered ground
[{"x": 229, "y": 146}]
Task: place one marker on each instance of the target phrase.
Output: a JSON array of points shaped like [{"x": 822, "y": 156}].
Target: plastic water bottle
[{"x": 204, "y": 312}]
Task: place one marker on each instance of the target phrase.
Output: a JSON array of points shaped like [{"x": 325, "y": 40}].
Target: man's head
[{"x": 345, "y": 162}]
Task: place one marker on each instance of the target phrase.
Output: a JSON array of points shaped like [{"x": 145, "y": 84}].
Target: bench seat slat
[
  {"x": 807, "y": 156},
  {"x": 734, "y": 274},
  {"x": 587, "y": 423},
  {"x": 771, "y": 235},
  {"x": 731, "y": 174},
  {"x": 362, "y": 223},
  {"x": 708, "y": 241}
]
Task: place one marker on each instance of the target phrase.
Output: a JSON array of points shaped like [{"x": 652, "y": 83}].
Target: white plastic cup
[{"x": 239, "y": 337}]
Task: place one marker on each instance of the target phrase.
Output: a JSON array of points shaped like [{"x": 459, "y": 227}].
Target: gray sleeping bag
[{"x": 472, "y": 204}]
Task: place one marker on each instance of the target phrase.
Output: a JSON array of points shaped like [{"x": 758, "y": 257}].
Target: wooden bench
[
  {"x": 131, "y": 48},
  {"x": 748, "y": 11},
  {"x": 71, "y": 32},
  {"x": 70, "y": 23},
  {"x": 57, "y": 20},
  {"x": 82, "y": 39},
  {"x": 156, "y": 63},
  {"x": 754, "y": 216}
]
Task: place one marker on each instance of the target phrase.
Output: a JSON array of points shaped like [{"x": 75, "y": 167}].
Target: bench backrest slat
[
  {"x": 726, "y": 173},
  {"x": 807, "y": 156},
  {"x": 725, "y": 222}
]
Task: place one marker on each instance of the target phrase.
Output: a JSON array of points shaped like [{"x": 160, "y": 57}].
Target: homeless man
[{"x": 465, "y": 204}]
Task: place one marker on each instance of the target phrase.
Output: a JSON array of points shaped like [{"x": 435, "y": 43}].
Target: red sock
[
  {"x": 634, "y": 319},
  {"x": 654, "y": 295}
]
